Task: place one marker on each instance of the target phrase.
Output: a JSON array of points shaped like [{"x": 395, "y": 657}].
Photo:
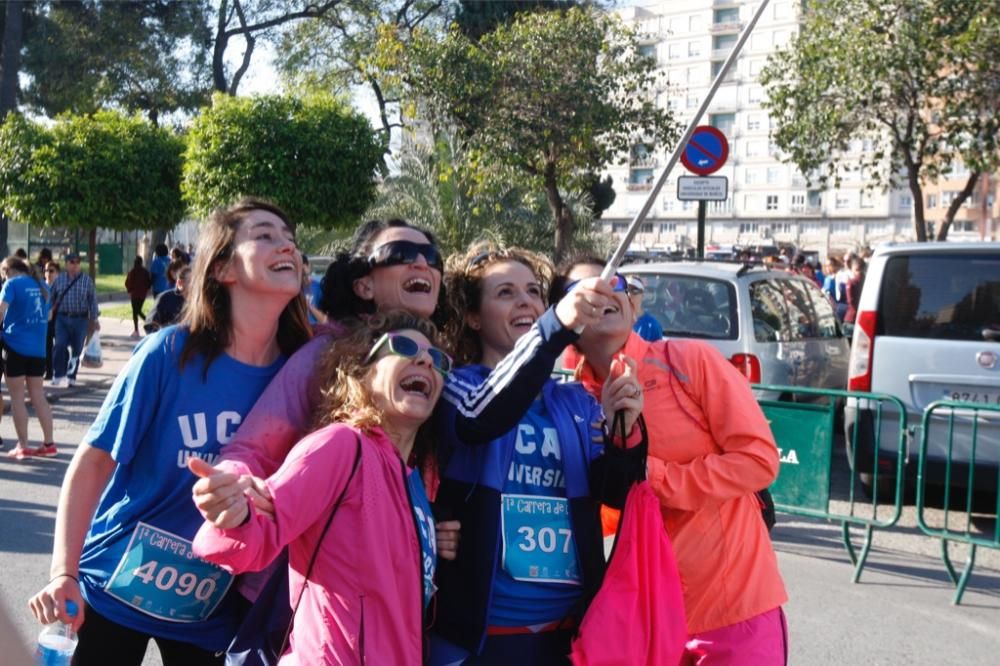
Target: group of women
[{"x": 459, "y": 530}]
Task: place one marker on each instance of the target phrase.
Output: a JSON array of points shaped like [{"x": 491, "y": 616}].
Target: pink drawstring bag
[{"x": 637, "y": 617}]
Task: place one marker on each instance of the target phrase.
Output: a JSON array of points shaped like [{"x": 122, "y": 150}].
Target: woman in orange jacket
[{"x": 710, "y": 450}]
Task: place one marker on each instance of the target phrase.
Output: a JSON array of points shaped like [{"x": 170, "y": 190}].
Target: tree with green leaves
[
  {"x": 315, "y": 157},
  {"x": 917, "y": 78},
  {"x": 553, "y": 95},
  {"x": 106, "y": 170},
  {"x": 148, "y": 56}
]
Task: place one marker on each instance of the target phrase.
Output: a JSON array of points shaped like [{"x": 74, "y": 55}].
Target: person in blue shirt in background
[
  {"x": 646, "y": 325},
  {"x": 125, "y": 522},
  {"x": 525, "y": 465},
  {"x": 24, "y": 308},
  {"x": 158, "y": 269},
  {"x": 312, "y": 288}
]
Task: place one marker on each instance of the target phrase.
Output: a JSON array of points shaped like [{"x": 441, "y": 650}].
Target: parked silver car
[
  {"x": 928, "y": 328},
  {"x": 776, "y": 327}
]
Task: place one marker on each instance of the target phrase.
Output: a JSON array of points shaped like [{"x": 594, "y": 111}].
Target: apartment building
[
  {"x": 977, "y": 219},
  {"x": 769, "y": 200}
]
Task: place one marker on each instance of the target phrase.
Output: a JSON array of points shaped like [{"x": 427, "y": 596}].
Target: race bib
[
  {"x": 160, "y": 575},
  {"x": 538, "y": 543}
]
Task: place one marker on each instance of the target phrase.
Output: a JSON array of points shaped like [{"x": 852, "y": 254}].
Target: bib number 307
[
  {"x": 160, "y": 575},
  {"x": 538, "y": 544},
  {"x": 547, "y": 539}
]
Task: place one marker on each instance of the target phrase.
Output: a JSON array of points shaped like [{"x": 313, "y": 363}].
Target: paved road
[{"x": 900, "y": 613}]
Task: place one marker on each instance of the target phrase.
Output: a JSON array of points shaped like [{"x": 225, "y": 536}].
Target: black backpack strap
[{"x": 312, "y": 560}]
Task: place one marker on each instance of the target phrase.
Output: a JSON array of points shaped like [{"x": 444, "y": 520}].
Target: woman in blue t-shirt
[
  {"x": 125, "y": 520},
  {"x": 24, "y": 308},
  {"x": 526, "y": 465}
]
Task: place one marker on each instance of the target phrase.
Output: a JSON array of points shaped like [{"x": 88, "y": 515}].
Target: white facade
[{"x": 769, "y": 201}]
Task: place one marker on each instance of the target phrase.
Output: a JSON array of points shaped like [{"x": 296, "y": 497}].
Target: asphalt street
[{"x": 899, "y": 613}]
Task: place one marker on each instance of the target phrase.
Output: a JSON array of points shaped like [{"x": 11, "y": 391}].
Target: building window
[
  {"x": 815, "y": 199},
  {"x": 878, "y": 229},
  {"x": 668, "y": 204},
  {"x": 668, "y": 227},
  {"x": 724, "y": 122},
  {"x": 810, "y": 227},
  {"x": 756, "y": 148},
  {"x": 753, "y": 122},
  {"x": 772, "y": 202},
  {"x": 716, "y": 67},
  {"x": 720, "y": 42},
  {"x": 840, "y": 228},
  {"x": 748, "y": 228},
  {"x": 754, "y": 95},
  {"x": 648, "y": 51},
  {"x": 842, "y": 200},
  {"x": 692, "y": 102},
  {"x": 674, "y": 50},
  {"x": 781, "y": 228},
  {"x": 717, "y": 207},
  {"x": 797, "y": 203},
  {"x": 646, "y": 228},
  {"x": 905, "y": 201},
  {"x": 932, "y": 201},
  {"x": 867, "y": 200},
  {"x": 751, "y": 176},
  {"x": 687, "y": 205},
  {"x": 694, "y": 49},
  {"x": 751, "y": 202},
  {"x": 619, "y": 227},
  {"x": 692, "y": 74},
  {"x": 773, "y": 175},
  {"x": 728, "y": 15},
  {"x": 674, "y": 103}
]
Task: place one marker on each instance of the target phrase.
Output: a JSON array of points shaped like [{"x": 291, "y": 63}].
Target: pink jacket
[{"x": 364, "y": 602}]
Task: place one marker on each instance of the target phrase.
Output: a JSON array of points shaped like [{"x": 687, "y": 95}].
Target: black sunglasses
[{"x": 395, "y": 253}]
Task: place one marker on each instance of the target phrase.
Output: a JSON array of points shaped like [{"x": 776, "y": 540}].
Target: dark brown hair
[
  {"x": 208, "y": 308},
  {"x": 463, "y": 280}
]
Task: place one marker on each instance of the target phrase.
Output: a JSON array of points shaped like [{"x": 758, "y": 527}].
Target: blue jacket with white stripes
[{"x": 478, "y": 424}]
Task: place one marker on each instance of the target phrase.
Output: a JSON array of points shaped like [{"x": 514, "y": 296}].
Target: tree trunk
[
  {"x": 561, "y": 214},
  {"x": 92, "y": 252},
  {"x": 10, "y": 68},
  {"x": 956, "y": 203},
  {"x": 156, "y": 236},
  {"x": 917, "y": 192},
  {"x": 219, "y": 50}
]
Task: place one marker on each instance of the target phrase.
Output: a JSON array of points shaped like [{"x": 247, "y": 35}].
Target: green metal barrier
[
  {"x": 805, "y": 437},
  {"x": 971, "y": 415}
]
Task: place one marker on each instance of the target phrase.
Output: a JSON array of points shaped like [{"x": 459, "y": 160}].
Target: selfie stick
[{"x": 626, "y": 240}]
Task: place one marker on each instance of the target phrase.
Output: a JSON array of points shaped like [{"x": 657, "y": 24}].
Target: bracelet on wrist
[{"x": 65, "y": 575}]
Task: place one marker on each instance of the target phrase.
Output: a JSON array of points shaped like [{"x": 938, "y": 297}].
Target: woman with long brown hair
[{"x": 125, "y": 520}]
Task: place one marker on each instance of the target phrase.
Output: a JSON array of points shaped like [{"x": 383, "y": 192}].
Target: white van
[{"x": 928, "y": 328}]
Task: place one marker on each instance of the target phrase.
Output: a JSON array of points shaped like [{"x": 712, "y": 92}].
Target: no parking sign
[{"x": 706, "y": 152}]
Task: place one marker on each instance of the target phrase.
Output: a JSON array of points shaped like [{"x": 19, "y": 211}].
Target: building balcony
[
  {"x": 638, "y": 187},
  {"x": 729, "y": 26},
  {"x": 642, "y": 162}
]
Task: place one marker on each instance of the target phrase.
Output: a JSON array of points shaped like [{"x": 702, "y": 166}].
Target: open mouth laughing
[
  {"x": 417, "y": 285},
  {"x": 416, "y": 385}
]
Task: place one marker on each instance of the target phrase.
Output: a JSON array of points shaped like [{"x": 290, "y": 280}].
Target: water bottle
[{"x": 57, "y": 642}]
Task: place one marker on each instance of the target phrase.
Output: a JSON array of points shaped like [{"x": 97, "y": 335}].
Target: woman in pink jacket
[{"x": 374, "y": 569}]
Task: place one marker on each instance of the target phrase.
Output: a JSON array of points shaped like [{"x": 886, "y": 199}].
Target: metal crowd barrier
[
  {"x": 804, "y": 433},
  {"x": 968, "y": 417}
]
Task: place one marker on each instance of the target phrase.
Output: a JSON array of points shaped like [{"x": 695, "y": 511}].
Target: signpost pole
[
  {"x": 633, "y": 227},
  {"x": 702, "y": 205}
]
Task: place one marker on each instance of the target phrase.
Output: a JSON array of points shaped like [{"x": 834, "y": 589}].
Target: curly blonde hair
[
  {"x": 463, "y": 279},
  {"x": 342, "y": 371}
]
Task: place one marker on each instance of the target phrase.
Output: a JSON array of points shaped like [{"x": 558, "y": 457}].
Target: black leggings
[
  {"x": 137, "y": 314},
  {"x": 103, "y": 642}
]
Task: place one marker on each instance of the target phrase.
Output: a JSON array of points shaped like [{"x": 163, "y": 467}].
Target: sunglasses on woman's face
[
  {"x": 395, "y": 253},
  {"x": 618, "y": 283},
  {"x": 405, "y": 346}
]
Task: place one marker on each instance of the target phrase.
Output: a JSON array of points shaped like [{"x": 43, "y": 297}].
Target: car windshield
[
  {"x": 691, "y": 306},
  {"x": 945, "y": 297}
]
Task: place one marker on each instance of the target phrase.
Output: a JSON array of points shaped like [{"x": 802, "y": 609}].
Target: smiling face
[
  {"x": 411, "y": 287},
  {"x": 264, "y": 259},
  {"x": 405, "y": 389},
  {"x": 616, "y": 324},
  {"x": 511, "y": 301}
]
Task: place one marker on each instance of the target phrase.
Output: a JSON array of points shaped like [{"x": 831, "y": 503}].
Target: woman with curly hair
[
  {"x": 125, "y": 521},
  {"x": 363, "y": 601},
  {"x": 526, "y": 462}
]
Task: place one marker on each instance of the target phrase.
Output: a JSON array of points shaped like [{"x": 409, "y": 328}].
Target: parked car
[
  {"x": 776, "y": 327},
  {"x": 928, "y": 328}
]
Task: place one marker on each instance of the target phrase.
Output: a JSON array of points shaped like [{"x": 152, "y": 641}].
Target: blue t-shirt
[
  {"x": 137, "y": 568},
  {"x": 313, "y": 295},
  {"x": 25, "y": 324},
  {"x": 648, "y": 328},
  {"x": 424, "y": 518},
  {"x": 538, "y": 577},
  {"x": 158, "y": 269}
]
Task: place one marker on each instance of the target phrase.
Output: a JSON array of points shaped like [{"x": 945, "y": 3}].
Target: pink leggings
[{"x": 760, "y": 641}]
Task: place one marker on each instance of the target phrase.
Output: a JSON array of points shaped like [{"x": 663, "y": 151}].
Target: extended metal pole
[{"x": 626, "y": 240}]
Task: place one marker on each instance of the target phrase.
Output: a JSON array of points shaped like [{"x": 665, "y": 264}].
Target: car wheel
[{"x": 886, "y": 487}]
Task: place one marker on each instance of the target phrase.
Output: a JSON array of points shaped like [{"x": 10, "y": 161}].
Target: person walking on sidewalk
[
  {"x": 137, "y": 283},
  {"x": 74, "y": 301},
  {"x": 52, "y": 270},
  {"x": 24, "y": 309}
]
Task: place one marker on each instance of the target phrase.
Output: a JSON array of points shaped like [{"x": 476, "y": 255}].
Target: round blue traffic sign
[{"x": 706, "y": 152}]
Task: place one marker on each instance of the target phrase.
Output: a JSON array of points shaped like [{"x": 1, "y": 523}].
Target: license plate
[{"x": 978, "y": 397}]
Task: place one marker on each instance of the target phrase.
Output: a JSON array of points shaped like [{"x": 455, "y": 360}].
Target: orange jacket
[{"x": 710, "y": 450}]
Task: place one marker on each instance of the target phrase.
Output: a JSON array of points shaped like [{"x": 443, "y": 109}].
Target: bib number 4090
[
  {"x": 167, "y": 578},
  {"x": 546, "y": 539}
]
